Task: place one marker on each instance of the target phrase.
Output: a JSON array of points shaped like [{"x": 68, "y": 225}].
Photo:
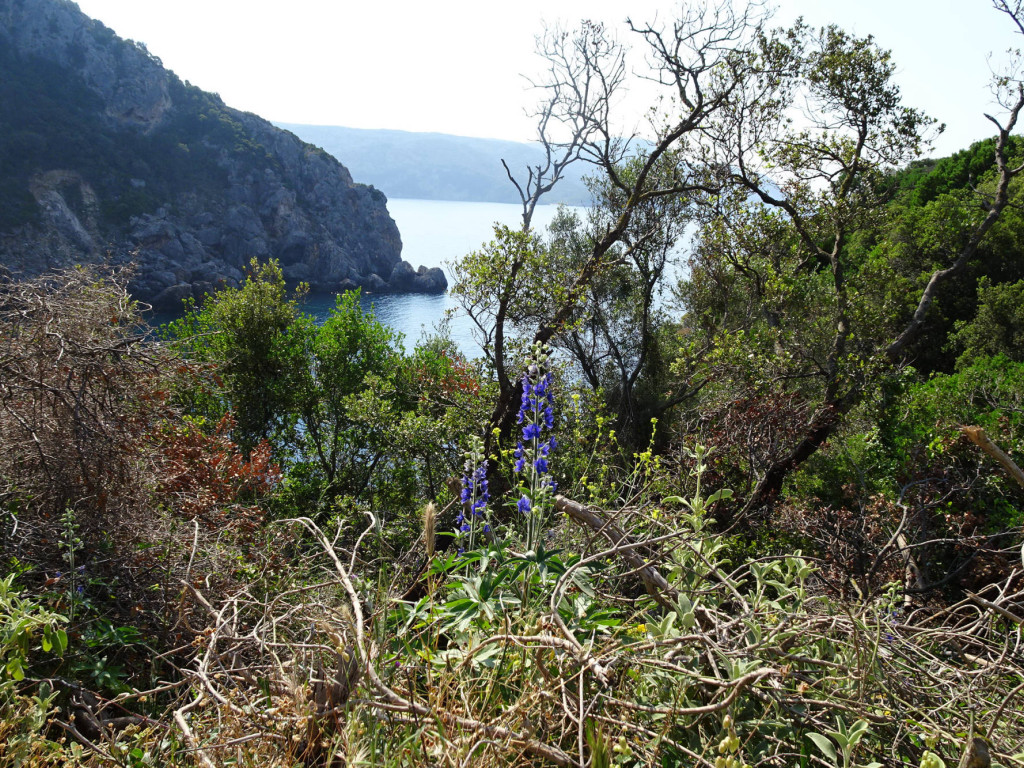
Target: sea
[{"x": 436, "y": 233}]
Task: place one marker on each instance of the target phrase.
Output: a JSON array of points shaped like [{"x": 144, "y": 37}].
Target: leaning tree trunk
[{"x": 822, "y": 426}]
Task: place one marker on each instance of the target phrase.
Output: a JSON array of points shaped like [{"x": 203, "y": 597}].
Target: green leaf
[
  {"x": 15, "y": 669},
  {"x": 822, "y": 742},
  {"x": 840, "y": 739}
]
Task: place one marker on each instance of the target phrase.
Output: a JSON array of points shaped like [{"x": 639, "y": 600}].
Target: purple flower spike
[
  {"x": 474, "y": 496},
  {"x": 537, "y": 417}
]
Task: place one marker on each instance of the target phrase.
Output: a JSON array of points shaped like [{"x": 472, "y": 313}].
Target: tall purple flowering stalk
[
  {"x": 537, "y": 417},
  {"x": 475, "y": 515}
]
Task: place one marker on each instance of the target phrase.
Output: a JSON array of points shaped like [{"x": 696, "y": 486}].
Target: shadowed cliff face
[{"x": 110, "y": 157}]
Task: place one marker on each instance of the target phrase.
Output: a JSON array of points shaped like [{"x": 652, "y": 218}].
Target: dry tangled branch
[
  {"x": 95, "y": 456},
  {"x": 74, "y": 375},
  {"x": 346, "y": 670}
]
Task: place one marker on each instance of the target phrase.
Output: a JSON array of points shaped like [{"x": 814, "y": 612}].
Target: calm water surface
[{"x": 436, "y": 233}]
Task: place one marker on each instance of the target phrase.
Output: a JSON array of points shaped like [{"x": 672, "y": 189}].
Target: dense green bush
[{"x": 354, "y": 420}]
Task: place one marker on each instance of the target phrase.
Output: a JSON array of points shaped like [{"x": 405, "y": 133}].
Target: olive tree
[
  {"x": 779, "y": 282},
  {"x": 621, "y": 338},
  {"x": 698, "y": 61}
]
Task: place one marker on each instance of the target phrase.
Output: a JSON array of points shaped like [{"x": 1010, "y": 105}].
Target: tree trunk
[{"x": 822, "y": 426}]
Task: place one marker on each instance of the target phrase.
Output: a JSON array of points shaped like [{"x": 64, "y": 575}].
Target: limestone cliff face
[{"x": 110, "y": 157}]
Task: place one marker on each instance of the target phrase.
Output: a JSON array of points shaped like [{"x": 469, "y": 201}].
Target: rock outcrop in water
[{"x": 109, "y": 157}]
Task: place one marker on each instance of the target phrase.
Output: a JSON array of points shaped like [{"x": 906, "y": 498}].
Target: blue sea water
[{"x": 435, "y": 233}]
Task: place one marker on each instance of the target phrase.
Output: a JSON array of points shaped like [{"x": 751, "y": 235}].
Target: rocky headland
[{"x": 111, "y": 158}]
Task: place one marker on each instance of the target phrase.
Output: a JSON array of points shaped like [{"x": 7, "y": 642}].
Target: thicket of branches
[{"x": 632, "y": 633}]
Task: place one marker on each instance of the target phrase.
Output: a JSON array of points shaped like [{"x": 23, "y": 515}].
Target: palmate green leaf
[
  {"x": 489, "y": 584},
  {"x": 823, "y": 743},
  {"x": 421, "y": 611},
  {"x": 447, "y": 563}
]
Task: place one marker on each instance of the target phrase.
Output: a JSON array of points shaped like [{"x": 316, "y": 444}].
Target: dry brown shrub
[
  {"x": 78, "y": 388},
  {"x": 87, "y": 426}
]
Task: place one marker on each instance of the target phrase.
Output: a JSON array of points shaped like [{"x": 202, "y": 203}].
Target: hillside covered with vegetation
[
  {"x": 108, "y": 157},
  {"x": 437, "y": 166},
  {"x": 765, "y": 510}
]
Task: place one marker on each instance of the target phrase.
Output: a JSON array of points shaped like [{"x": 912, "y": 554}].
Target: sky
[{"x": 458, "y": 66}]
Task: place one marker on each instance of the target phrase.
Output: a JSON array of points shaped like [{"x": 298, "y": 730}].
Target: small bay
[{"x": 436, "y": 233}]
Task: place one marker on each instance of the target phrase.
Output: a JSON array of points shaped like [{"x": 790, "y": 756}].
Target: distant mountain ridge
[
  {"x": 438, "y": 166},
  {"x": 105, "y": 156}
]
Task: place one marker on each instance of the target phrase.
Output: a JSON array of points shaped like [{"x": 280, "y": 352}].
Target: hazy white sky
[{"x": 454, "y": 66}]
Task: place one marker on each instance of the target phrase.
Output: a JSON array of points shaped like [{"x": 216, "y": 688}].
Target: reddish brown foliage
[
  {"x": 209, "y": 477},
  {"x": 446, "y": 376}
]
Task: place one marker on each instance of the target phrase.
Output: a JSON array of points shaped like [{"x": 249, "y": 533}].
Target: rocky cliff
[{"x": 107, "y": 156}]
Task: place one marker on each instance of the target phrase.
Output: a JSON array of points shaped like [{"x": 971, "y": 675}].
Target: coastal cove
[{"x": 436, "y": 233}]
